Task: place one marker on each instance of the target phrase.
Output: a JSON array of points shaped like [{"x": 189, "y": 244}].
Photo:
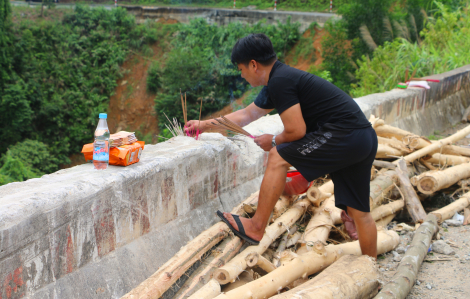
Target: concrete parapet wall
[
  {"x": 82, "y": 233},
  {"x": 225, "y": 16}
]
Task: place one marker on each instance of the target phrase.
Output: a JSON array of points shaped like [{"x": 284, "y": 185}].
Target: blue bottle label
[{"x": 100, "y": 152}]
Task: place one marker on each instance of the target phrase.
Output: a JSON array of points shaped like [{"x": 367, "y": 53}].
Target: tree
[
  {"x": 35, "y": 155},
  {"x": 14, "y": 170}
]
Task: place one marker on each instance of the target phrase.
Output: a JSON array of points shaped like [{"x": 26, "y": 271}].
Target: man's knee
[{"x": 275, "y": 160}]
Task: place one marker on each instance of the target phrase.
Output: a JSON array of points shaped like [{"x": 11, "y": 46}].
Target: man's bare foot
[{"x": 250, "y": 229}]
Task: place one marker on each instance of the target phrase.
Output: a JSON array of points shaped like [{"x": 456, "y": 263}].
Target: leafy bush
[
  {"x": 154, "y": 81},
  {"x": 13, "y": 170},
  {"x": 320, "y": 73},
  {"x": 34, "y": 155},
  {"x": 337, "y": 55},
  {"x": 446, "y": 40}
]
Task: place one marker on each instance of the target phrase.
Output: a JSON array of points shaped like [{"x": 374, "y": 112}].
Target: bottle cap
[{"x": 103, "y": 115}]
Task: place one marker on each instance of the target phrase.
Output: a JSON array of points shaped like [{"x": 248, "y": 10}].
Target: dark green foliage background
[
  {"x": 55, "y": 80},
  {"x": 199, "y": 64}
]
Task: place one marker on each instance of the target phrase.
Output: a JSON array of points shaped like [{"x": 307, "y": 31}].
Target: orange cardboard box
[{"x": 123, "y": 155}]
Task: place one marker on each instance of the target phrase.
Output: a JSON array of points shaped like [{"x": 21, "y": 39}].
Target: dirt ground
[{"x": 447, "y": 278}]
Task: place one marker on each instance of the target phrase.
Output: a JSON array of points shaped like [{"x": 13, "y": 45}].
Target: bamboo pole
[
  {"x": 394, "y": 143},
  {"x": 380, "y": 186},
  {"x": 416, "y": 142},
  {"x": 404, "y": 279},
  {"x": 255, "y": 259},
  {"x": 387, "y": 152},
  {"x": 453, "y": 150},
  {"x": 319, "y": 226},
  {"x": 294, "y": 239},
  {"x": 210, "y": 290},
  {"x": 373, "y": 173},
  {"x": 427, "y": 164},
  {"x": 412, "y": 202},
  {"x": 352, "y": 277},
  {"x": 305, "y": 265},
  {"x": 388, "y": 209},
  {"x": 384, "y": 164},
  {"x": 442, "y": 159},
  {"x": 242, "y": 279},
  {"x": 450, "y": 210},
  {"x": 432, "y": 181},
  {"x": 318, "y": 194},
  {"x": 383, "y": 222},
  {"x": 389, "y": 132},
  {"x": 282, "y": 205},
  {"x": 436, "y": 146},
  {"x": 225, "y": 251},
  {"x": 174, "y": 268},
  {"x": 232, "y": 269}
]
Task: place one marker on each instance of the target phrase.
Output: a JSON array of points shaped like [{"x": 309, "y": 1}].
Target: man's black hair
[{"x": 256, "y": 47}]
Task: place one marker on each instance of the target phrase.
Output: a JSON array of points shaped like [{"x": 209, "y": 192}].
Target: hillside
[{"x": 132, "y": 106}]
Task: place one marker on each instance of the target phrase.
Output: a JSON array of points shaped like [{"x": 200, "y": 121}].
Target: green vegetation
[
  {"x": 199, "y": 65},
  {"x": 444, "y": 46},
  {"x": 375, "y": 42},
  {"x": 55, "y": 77}
]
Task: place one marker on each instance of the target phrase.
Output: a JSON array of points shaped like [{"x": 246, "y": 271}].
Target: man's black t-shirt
[{"x": 321, "y": 102}]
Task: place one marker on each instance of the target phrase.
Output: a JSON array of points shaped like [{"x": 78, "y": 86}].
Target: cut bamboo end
[
  {"x": 252, "y": 259},
  {"x": 318, "y": 247},
  {"x": 222, "y": 276},
  {"x": 427, "y": 185},
  {"x": 316, "y": 196}
]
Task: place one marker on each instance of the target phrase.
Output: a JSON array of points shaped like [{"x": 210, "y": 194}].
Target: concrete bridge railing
[
  {"x": 81, "y": 233},
  {"x": 222, "y": 16}
]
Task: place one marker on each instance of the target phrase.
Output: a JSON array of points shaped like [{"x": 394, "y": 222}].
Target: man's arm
[
  {"x": 294, "y": 125},
  {"x": 294, "y": 129},
  {"x": 241, "y": 117}
]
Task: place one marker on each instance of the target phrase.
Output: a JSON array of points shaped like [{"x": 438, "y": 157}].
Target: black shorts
[{"x": 346, "y": 155}]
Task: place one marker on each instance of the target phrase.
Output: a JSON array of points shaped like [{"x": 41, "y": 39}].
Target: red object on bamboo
[{"x": 295, "y": 184}]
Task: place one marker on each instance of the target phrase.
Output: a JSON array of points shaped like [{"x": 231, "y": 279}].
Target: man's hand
[
  {"x": 192, "y": 126},
  {"x": 265, "y": 142}
]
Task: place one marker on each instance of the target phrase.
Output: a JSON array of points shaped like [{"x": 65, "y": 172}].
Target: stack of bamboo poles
[{"x": 306, "y": 235}]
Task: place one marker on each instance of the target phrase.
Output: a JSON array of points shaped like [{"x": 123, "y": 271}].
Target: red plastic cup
[{"x": 295, "y": 184}]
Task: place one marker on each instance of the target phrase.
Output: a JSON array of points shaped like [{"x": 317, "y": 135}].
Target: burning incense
[
  {"x": 174, "y": 127},
  {"x": 199, "y": 123}
]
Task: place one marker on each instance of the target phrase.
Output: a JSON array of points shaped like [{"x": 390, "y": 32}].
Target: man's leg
[
  {"x": 366, "y": 230},
  {"x": 272, "y": 186}
]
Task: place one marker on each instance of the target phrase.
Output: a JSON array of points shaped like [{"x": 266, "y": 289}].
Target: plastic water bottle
[{"x": 101, "y": 144}]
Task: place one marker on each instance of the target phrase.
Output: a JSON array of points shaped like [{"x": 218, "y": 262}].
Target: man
[{"x": 325, "y": 132}]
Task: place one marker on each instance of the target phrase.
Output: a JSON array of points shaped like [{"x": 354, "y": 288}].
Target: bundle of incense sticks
[
  {"x": 174, "y": 127},
  {"x": 185, "y": 109},
  {"x": 228, "y": 125},
  {"x": 185, "y": 116}
]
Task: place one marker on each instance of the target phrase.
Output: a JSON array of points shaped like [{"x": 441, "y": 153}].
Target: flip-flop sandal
[
  {"x": 349, "y": 225},
  {"x": 241, "y": 233}
]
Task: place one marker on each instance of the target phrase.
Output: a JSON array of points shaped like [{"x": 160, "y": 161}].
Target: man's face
[{"x": 250, "y": 73}]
